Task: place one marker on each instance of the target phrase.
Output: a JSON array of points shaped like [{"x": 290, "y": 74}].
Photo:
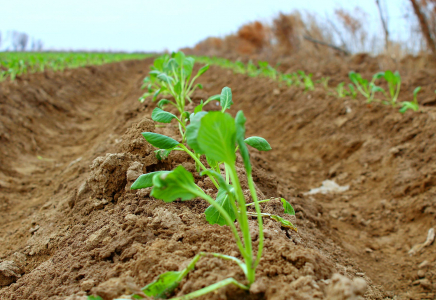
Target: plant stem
[
  {"x": 243, "y": 222},
  {"x": 260, "y": 201},
  {"x": 259, "y": 218},
  {"x": 212, "y": 288},
  {"x": 226, "y": 216}
]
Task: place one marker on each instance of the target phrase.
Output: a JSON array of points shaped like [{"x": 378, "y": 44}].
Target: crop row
[
  {"x": 213, "y": 139},
  {"x": 13, "y": 64},
  {"x": 358, "y": 85}
]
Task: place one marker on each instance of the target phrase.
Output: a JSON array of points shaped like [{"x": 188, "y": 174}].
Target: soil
[{"x": 70, "y": 226}]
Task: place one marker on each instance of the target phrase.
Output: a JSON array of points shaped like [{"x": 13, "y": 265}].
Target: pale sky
[{"x": 155, "y": 25}]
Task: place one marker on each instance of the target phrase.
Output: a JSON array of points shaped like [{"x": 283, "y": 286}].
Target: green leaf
[
  {"x": 259, "y": 143},
  {"x": 416, "y": 91},
  {"x": 240, "y": 135},
  {"x": 409, "y": 105},
  {"x": 177, "y": 184},
  {"x": 199, "y": 107},
  {"x": 283, "y": 222},
  {"x": 162, "y": 116},
  {"x": 91, "y": 297},
  {"x": 156, "y": 93},
  {"x": 287, "y": 207},
  {"x": 159, "y": 140},
  {"x": 353, "y": 77},
  {"x": 376, "y": 88},
  {"x": 226, "y": 98},
  {"x": 217, "y": 137},
  {"x": 162, "y": 103},
  {"x": 178, "y": 88},
  {"x": 162, "y": 154},
  {"x": 192, "y": 131},
  {"x": 213, "y": 216},
  {"x": 163, "y": 286},
  {"x": 378, "y": 75},
  {"x": 202, "y": 70},
  {"x": 214, "y": 97},
  {"x": 165, "y": 78},
  {"x": 145, "y": 180}
]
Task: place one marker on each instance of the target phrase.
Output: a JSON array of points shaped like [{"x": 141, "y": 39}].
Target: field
[
  {"x": 13, "y": 64},
  {"x": 71, "y": 145}
]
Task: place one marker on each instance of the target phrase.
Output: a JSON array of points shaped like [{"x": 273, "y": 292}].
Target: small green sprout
[
  {"x": 366, "y": 88},
  {"x": 394, "y": 83},
  {"x": 413, "y": 105},
  {"x": 307, "y": 81},
  {"x": 341, "y": 91},
  {"x": 266, "y": 70}
]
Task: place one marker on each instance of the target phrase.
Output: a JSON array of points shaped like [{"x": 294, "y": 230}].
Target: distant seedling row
[
  {"x": 358, "y": 85},
  {"x": 13, "y": 64}
]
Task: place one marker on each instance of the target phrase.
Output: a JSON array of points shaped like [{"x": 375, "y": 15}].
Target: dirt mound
[{"x": 70, "y": 225}]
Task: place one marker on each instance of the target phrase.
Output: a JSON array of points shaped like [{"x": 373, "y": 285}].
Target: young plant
[
  {"x": 413, "y": 105},
  {"x": 219, "y": 137},
  {"x": 366, "y": 88},
  {"x": 341, "y": 91},
  {"x": 171, "y": 75},
  {"x": 252, "y": 70},
  {"x": 307, "y": 81},
  {"x": 394, "y": 83},
  {"x": 266, "y": 70},
  {"x": 325, "y": 82},
  {"x": 352, "y": 92}
]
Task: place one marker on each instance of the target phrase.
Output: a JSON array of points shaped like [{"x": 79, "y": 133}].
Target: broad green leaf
[
  {"x": 202, "y": 70},
  {"x": 163, "y": 286},
  {"x": 287, "y": 207},
  {"x": 376, "y": 88},
  {"x": 213, "y": 216},
  {"x": 145, "y": 180},
  {"x": 91, "y": 297},
  {"x": 179, "y": 57},
  {"x": 159, "y": 140},
  {"x": 165, "y": 78},
  {"x": 199, "y": 107},
  {"x": 162, "y": 103},
  {"x": 259, "y": 143},
  {"x": 162, "y": 116},
  {"x": 178, "y": 88},
  {"x": 353, "y": 77},
  {"x": 240, "y": 135},
  {"x": 192, "y": 131},
  {"x": 188, "y": 66},
  {"x": 177, "y": 184},
  {"x": 217, "y": 136},
  {"x": 285, "y": 223},
  {"x": 226, "y": 98}
]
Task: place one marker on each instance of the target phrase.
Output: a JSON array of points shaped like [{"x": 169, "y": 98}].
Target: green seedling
[
  {"x": 366, "y": 88},
  {"x": 394, "y": 83},
  {"x": 413, "y": 105},
  {"x": 307, "y": 81},
  {"x": 266, "y": 70},
  {"x": 252, "y": 70},
  {"x": 219, "y": 137},
  {"x": 352, "y": 91},
  {"x": 325, "y": 82},
  {"x": 172, "y": 75},
  {"x": 341, "y": 91}
]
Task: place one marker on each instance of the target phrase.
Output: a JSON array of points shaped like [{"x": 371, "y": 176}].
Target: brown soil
[{"x": 70, "y": 226}]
